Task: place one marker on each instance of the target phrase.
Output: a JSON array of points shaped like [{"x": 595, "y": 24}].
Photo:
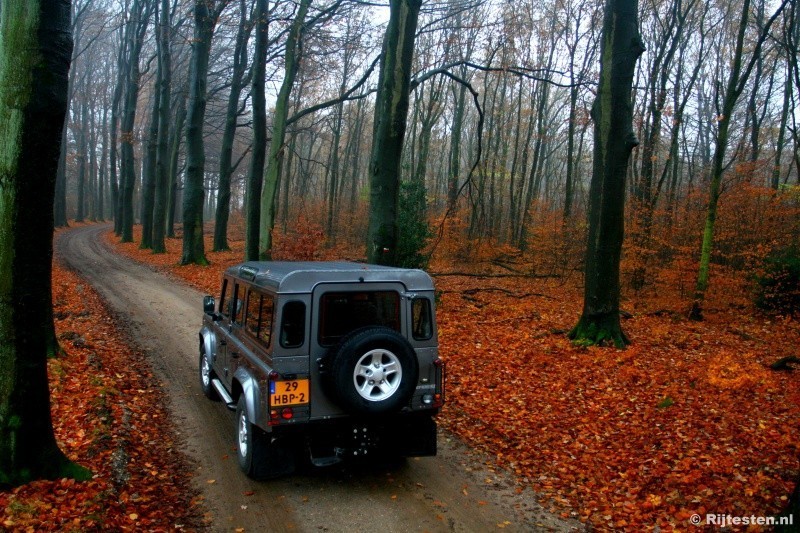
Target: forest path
[{"x": 454, "y": 491}]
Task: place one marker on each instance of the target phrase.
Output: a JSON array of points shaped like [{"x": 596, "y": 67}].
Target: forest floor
[
  {"x": 687, "y": 420},
  {"x": 108, "y": 414},
  {"x": 126, "y": 403}
]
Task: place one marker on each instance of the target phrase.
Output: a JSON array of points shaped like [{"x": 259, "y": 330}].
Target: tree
[
  {"x": 205, "y": 17},
  {"x": 160, "y": 207},
  {"x": 134, "y": 33},
  {"x": 35, "y": 51},
  {"x": 226, "y": 166},
  {"x": 269, "y": 190},
  {"x": 737, "y": 81},
  {"x": 612, "y": 113},
  {"x": 256, "y": 171},
  {"x": 391, "y": 111}
]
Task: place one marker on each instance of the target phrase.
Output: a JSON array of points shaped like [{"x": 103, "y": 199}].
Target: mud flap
[{"x": 413, "y": 436}]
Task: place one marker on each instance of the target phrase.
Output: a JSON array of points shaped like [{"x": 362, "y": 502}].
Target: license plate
[{"x": 291, "y": 392}]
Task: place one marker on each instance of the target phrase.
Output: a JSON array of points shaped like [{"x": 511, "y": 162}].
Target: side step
[
  {"x": 328, "y": 460},
  {"x": 223, "y": 394}
]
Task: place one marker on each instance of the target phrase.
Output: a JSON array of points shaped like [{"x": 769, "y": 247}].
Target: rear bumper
[{"x": 404, "y": 435}]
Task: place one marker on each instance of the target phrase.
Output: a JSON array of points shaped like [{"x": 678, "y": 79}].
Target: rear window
[{"x": 343, "y": 312}]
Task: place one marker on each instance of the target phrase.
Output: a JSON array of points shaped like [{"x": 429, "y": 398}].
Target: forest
[
  {"x": 533, "y": 156},
  {"x": 498, "y": 146}
]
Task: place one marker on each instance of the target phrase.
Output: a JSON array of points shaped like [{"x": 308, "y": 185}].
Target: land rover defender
[{"x": 327, "y": 360}]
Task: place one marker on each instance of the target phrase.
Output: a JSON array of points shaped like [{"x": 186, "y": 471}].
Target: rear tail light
[
  {"x": 274, "y": 414},
  {"x": 438, "y": 397}
]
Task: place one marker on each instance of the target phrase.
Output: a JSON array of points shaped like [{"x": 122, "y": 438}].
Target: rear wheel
[{"x": 260, "y": 455}]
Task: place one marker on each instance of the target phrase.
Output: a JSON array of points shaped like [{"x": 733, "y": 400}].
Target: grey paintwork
[{"x": 286, "y": 277}]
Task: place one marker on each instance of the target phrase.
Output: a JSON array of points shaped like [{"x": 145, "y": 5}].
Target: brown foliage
[
  {"x": 687, "y": 420},
  {"x": 108, "y": 415}
]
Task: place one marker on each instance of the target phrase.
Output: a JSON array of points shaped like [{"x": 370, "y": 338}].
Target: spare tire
[{"x": 373, "y": 370}]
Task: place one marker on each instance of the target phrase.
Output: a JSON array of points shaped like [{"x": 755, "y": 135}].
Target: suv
[{"x": 333, "y": 359}]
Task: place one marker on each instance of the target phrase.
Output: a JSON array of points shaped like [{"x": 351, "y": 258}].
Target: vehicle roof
[{"x": 303, "y": 276}]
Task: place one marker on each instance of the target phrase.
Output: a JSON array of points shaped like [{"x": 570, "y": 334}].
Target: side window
[
  {"x": 235, "y": 305},
  {"x": 253, "y": 310},
  {"x": 260, "y": 312},
  {"x": 422, "y": 325},
  {"x": 293, "y": 324},
  {"x": 222, "y": 296}
]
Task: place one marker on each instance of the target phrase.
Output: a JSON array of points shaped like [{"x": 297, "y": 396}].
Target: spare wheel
[{"x": 373, "y": 370}]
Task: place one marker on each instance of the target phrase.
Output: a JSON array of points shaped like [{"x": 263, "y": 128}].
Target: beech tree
[
  {"x": 160, "y": 207},
  {"x": 135, "y": 31},
  {"x": 269, "y": 189},
  {"x": 35, "y": 52},
  {"x": 612, "y": 113},
  {"x": 741, "y": 68},
  {"x": 206, "y": 13},
  {"x": 391, "y": 112},
  {"x": 256, "y": 170}
]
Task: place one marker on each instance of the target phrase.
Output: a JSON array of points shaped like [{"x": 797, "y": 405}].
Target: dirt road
[{"x": 450, "y": 492}]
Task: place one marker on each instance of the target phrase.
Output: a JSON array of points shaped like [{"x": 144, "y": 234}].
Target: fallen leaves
[
  {"x": 686, "y": 420},
  {"x": 632, "y": 439},
  {"x": 108, "y": 415}
]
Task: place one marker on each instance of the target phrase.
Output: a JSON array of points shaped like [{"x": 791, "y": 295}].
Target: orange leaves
[
  {"x": 109, "y": 416},
  {"x": 589, "y": 429},
  {"x": 584, "y": 426}
]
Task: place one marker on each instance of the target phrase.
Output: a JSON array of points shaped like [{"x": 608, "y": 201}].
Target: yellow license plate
[{"x": 291, "y": 392}]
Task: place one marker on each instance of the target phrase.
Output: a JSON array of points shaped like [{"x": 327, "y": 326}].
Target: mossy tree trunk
[
  {"x": 294, "y": 42},
  {"x": 35, "y": 51},
  {"x": 205, "y": 17},
  {"x": 737, "y": 81},
  {"x": 255, "y": 173},
  {"x": 612, "y": 114},
  {"x": 391, "y": 112}
]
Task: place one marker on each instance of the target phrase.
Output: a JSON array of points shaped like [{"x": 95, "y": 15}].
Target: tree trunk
[
  {"x": 612, "y": 113},
  {"x": 736, "y": 84},
  {"x": 781, "y": 142},
  {"x": 80, "y": 211},
  {"x": 391, "y": 111},
  {"x": 139, "y": 20},
  {"x": 116, "y": 102},
  {"x": 35, "y": 51},
  {"x": 332, "y": 199},
  {"x": 161, "y": 200},
  {"x": 255, "y": 173},
  {"x": 226, "y": 154},
  {"x": 149, "y": 171},
  {"x": 174, "y": 156},
  {"x": 454, "y": 168},
  {"x": 294, "y": 43},
  {"x": 193, "y": 245}
]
